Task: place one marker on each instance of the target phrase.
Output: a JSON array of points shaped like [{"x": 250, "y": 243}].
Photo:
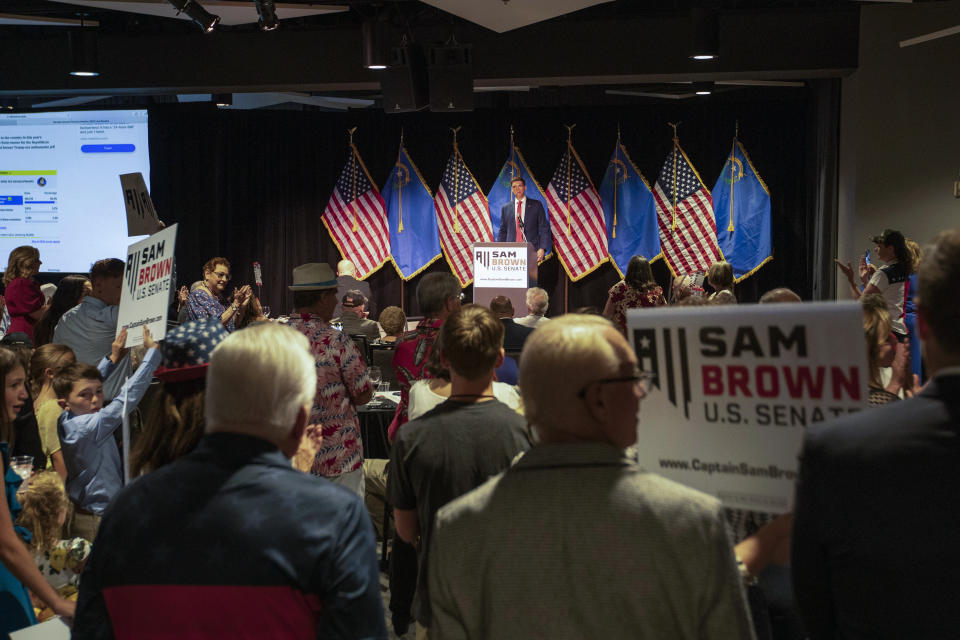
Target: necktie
[{"x": 520, "y": 237}]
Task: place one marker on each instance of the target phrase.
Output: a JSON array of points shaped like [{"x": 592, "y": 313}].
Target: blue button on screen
[{"x": 108, "y": 148}]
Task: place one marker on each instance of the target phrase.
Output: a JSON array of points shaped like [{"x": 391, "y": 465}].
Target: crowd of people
[{"x": 516, "y": 509}]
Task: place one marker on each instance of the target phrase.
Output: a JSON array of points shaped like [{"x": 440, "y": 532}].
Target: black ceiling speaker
[
  {"x": 404, "y": 82},
  {"x": 451, "y": 78}
]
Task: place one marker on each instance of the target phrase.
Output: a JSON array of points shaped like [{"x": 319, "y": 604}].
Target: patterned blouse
[
  {"x": 409, "y": 363},
  {"x": 624, "y": 297},
  {"x": 201, "y": 304},
  {"x": 880, "y": 397},
  {"x": 61, "y": 566},
  {"x": 341, "y": 373}
]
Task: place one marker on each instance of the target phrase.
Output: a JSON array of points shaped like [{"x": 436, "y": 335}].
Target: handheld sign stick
[{"x": 258, "y": 278}]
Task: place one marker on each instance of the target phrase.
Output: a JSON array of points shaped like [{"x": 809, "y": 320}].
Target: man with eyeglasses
[{"x": 575, "y": 529}]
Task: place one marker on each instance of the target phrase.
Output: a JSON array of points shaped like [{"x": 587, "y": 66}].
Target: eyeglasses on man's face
[{"x": 639, "y": 378}]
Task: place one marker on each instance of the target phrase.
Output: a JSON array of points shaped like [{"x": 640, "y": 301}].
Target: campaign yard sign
[
  {"x": 734, "y": 387},
  {"x": 141, "y": 215},
  {"x": 148, "y": 278}
]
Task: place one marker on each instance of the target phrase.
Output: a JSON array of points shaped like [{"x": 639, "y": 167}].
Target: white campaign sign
[
  {"x": 141, "y": 216},
  {"x": 500, "y": 266},
  {"x": 147, "y": 280},
  {"x": 734, "y": 388}
]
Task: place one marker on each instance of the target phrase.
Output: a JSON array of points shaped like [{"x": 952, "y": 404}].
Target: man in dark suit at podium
[{"x": 524, "y": 220}]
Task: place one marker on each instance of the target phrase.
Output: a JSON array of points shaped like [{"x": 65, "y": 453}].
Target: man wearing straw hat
[{"x": 342, "y": 380}]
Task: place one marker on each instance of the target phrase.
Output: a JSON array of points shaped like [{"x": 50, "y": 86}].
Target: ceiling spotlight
[
  {"x": 705, "y": 35},
  {"x": 83, "y": 53},
  {"x": 206, "y": 20},
  {"x": 703, "y": 88},
  {"x": 222, "y": 99},
  {"x": 375, "y": 40},
  {"x": 268, "y": 15}
]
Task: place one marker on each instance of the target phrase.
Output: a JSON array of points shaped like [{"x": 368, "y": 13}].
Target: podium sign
[{"x": 503, "y": 269}]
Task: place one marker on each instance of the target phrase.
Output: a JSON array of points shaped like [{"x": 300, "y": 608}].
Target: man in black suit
[
  {"x": 524, "y": 220},
  {"x": 514, "y": 335},
  {"x": 875, "y": 551}
]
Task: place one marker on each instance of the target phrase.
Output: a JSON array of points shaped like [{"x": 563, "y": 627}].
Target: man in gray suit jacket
[
  {"x": 875, "y": 551},
  {"x": 575, "y": 540}
]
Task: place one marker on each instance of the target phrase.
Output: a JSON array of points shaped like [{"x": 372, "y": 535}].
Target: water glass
[{"x": 22, "y": 466}]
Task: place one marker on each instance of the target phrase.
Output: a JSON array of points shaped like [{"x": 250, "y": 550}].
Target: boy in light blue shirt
[{"x": 86, "y": 428}]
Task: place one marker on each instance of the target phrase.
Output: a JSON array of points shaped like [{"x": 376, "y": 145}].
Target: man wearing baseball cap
[
  {"x": 354, "y": 318},
  {"x": 342, "y": 380}
]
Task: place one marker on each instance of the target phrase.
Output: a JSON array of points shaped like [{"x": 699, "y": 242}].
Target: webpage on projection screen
[{"x": 60, "y": 186}]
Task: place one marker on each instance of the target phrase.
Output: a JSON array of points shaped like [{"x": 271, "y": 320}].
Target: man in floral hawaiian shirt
[{"x": 342, "y": 380}]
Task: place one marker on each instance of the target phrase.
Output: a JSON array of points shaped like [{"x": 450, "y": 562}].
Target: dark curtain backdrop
[{"x": 252, "y": 185}]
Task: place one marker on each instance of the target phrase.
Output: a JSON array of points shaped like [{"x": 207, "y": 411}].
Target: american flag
[
  {"x": 462, "y": 216},
  {"x": 689, "y": 240},
  {"x": 576, "y": 217},
  {"x": 356, "y": 218}
]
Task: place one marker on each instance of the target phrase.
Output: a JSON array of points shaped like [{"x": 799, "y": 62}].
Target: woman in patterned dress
[{"x": 637, "y": 289}]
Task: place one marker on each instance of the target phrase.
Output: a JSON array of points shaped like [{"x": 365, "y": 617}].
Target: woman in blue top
[
  {"x": 17, "y": 567},
  {"x": 205, "y": 300}
]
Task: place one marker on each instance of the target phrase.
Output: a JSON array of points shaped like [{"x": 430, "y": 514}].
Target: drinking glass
[
  {"x": 22, "y": 466},
  {"x": 375, "y": 375},
  {"x": 266, "y": 310}
]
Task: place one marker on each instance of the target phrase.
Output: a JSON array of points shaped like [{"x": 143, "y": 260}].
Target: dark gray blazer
[{"x": 875, "y": 548}]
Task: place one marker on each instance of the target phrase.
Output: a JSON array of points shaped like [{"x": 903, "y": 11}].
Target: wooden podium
[{"x": 503, "y": 269}]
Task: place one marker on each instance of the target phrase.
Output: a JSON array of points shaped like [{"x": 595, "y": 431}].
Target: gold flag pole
[
  {"x": 566, "y": 201},
  {"x": 513, "y": 156},
  {"x": 456, "y": 175},
  {"x": 353, "y": 197},
  {"x": 733, "y": 177},
  {"x": 676, "y": 144},
  {"x": 400, "y": 184},
  {"x": 616, "y": 159}
]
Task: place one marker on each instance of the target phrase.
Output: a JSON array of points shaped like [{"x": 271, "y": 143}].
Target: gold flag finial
[
  {"x": 350, "y": 132},
  {"x": 401, "y": 137},
  {"x": 455, "y": 130}
]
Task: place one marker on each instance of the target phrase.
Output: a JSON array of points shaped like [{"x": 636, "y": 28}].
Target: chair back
[
  {"x": 382, "y": 356},
  {"x": 362, "y": 345}
]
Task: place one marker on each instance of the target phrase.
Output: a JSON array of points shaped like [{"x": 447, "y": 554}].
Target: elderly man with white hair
[
  {"x": 537, "y": 303},
  {"x": 347, "y": 281},
  {"x": 575, "y": 540},
  {"x": 230, "y": 541}
]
